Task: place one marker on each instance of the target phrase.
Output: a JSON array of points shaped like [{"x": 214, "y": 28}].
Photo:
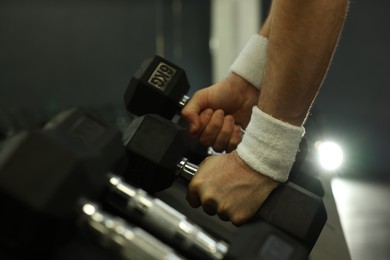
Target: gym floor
[
  {"x": 358, "y": 226},
  {"x": 364, "y": 211}
]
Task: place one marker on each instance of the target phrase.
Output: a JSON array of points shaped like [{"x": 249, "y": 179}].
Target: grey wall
[
  {"x": 62, "y": 53},
  {"x": 353, "y": 107}
]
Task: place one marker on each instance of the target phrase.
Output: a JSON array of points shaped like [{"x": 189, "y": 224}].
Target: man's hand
[
  {"x": 226, "y": 186},
  {"x": 216, "y": 114}
]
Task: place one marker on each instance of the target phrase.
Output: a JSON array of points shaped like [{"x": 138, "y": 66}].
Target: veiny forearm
[{"x": 302, "y": 35}]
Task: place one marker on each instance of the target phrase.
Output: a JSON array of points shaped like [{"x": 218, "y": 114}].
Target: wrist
[
  {"x": 245, "y": 87},
  {"x": 269, "y": 145}
]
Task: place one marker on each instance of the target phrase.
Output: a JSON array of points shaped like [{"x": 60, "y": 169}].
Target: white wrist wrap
[
  {"x": 250, "y": 63},
  {"x": 269, "y": 145}
]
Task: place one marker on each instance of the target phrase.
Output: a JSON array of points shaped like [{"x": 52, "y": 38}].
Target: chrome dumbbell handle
[
  {"x": 166, "y": 221},
  {"x": 129, "y": 241},
  {"x": 186, "y": 169}
]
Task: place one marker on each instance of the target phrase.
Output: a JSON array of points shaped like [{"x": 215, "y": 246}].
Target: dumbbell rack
[{"x": 109, "y": 230}]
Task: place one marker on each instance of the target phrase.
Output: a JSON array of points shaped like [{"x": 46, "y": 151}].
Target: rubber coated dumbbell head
[
  {"x": 154, "y": 147},
  {"x": 286, "y": 226},
  {"x": 158, "y": 86},
  {"x": 261, "y": 240},
  {"x": 42, "y": 176},
  {"x": 305, "y": 222},
  {"x": 89, "y": 129}
]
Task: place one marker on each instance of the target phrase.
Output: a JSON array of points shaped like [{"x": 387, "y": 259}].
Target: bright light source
[{"x": 330, "y": 155}]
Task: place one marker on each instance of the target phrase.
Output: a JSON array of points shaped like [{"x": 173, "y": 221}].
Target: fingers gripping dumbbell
[
  {"x": 155, "y": 146},
  {"x": 160, "y": 87}
]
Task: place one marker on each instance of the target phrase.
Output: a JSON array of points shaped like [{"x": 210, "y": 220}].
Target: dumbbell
[
  {"x": 151, "y": 212},
  {"x": 88, "y": 129},
  {"x": 154, "y": 146},
  {"x": 49, "y": 186},
  {"x": 13, "y": 121},
  {"x": 158, "y": 86}
]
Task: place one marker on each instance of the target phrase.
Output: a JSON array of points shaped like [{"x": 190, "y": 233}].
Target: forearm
[{"x": 302, "y": 38}]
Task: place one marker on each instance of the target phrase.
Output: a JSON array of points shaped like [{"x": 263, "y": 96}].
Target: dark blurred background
[
  {"x": 354, "y": 102},
  {"x": 60, "y": 53},
  {"x": 55, "y": 54}
]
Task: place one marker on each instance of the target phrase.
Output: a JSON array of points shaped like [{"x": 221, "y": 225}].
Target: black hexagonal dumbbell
[
  {"x": 48, "y": 185},
  {"x": 88, "y": 129},
  {"x": 159, "y": 86},
  {"x": 155, "y": 146}
]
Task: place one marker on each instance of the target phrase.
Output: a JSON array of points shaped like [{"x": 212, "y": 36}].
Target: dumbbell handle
[
  {"x": 186, "y": 169},
  {"x": 183, "y": 101},
  {"x": 129, "y": 241},
  {"x": 164, "y": 220}
]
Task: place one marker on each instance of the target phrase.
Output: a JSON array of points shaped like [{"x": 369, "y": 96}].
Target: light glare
[{"x": 330, "y": 155}]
